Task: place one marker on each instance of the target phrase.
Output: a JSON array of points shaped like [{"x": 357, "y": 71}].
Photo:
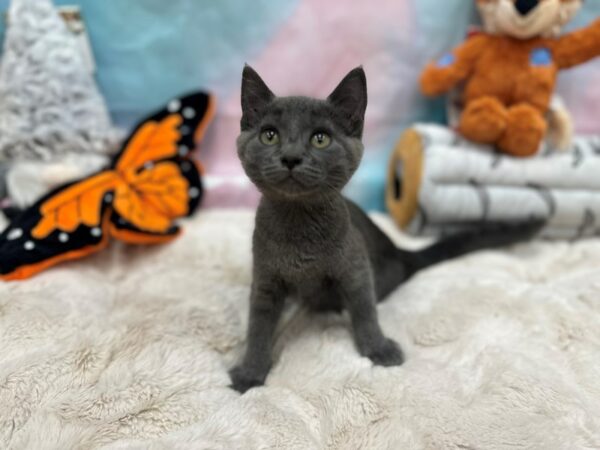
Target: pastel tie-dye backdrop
[{"x": 150, "y": 50}]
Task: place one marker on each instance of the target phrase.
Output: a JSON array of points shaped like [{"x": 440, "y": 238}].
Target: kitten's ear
[
  {"x": 255, "y": 97},
  {"x": 350, "y": 101}
]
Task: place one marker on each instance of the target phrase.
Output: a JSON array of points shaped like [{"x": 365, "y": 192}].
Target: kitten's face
[{"x": 298, "y": 147}]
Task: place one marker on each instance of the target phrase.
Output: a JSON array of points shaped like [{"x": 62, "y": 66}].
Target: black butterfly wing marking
[{"x": 23, "y": 255}]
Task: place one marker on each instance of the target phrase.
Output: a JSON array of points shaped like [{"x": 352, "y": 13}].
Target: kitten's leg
[
  {"x": 358, "y": 294},
  {"x": 266, "y": 305}
]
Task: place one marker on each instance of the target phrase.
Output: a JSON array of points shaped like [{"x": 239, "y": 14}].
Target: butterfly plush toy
[{"x": 151, "y": 182}]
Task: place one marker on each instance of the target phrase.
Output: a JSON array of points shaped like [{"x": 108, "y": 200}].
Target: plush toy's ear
[
  {"x": 350, "y": 101},
  {"x": 255, "y": 97},
  {"x": 568, "y": 10}
]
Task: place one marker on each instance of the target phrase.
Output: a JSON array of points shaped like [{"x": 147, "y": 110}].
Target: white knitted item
[
  {"x": 28, "y": 181},
  {"x": 49, "y": 103}
]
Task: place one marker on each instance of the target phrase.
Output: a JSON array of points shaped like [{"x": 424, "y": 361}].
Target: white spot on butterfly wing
[
  {"x": 189, "y": 113},
  {"x": 96, "y": 232},
  {"x": 63, "y": 237},
  {"x": 108, "y": 198},
  {"x": 185, "y": 130},
  {"x": 29, "y": 245},
  {"x": 194, "y": 192},
  {"x": 174, "y": 105},
  {"x": 183, "y": 150},
  {"x": 14, "y": 234}
]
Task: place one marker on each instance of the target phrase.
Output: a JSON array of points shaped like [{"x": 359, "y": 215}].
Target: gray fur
[
  {"x": 3, "y": 173},
  {"x": 309, "y": 241}
]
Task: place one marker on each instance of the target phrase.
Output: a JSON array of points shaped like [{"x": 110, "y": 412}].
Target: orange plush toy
[{"x": 509, "y": 73}]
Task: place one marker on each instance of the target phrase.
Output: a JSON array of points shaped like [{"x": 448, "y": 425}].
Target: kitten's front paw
[
  {"x": 386, "y": 354},
  {"x": 243, "y": 379}
]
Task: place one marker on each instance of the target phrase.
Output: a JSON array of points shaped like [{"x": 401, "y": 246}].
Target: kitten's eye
[
  {"x": 320, "y": 140},
  {"x": 269, "y": 137}
]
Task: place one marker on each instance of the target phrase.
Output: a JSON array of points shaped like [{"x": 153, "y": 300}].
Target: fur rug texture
[{"x": 130, "y": 350}]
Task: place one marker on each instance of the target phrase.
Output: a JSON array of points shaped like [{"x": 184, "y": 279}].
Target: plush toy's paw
[
  {"x": 525, "y": 131},
  {"x": 560, "y": 128},
  {"x": 434, "y": 80},
  {"x": 484, "y": 120},
  {"x": 243, "y": 379},
  {"x": 386, "y": 354}
]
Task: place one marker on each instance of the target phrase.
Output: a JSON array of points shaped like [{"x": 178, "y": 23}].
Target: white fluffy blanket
[{"x": 130, "y": 350}]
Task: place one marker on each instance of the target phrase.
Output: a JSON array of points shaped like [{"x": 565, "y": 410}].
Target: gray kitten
[{"x": 309, "y": 240}]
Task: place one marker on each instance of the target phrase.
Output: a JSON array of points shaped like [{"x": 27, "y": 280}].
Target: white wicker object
[{"x": 49, "y": 103}]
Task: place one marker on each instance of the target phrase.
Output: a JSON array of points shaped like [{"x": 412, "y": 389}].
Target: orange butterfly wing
[
  {"x": 151, "y": 195},
  {"x": 27, "y": 271},
  {"x": 150, "y": 200},
  {"x": 79, "y": 204},
  {"x": 154, "y": 141}
]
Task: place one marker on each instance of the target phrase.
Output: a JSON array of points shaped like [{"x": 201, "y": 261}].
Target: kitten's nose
[
  {"x": 525, "y": 6},
  {"x": 291, "y": 161}
]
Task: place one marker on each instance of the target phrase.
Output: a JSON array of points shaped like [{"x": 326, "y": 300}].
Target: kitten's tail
[
  {"x": 486, "y": 236},
  {"x": 393, "y": 266},
  {"x": 400, "y": 265}
]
